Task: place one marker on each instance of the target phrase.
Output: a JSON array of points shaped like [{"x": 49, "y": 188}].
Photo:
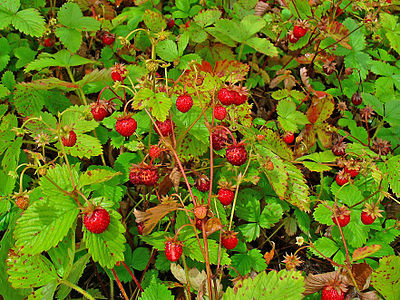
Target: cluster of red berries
[
  {"x": 368, "y": 215},
  {"x": 350, "y": 170},
  {"x": 228, "y": 97},
  {"x": 147, "y": 175}
]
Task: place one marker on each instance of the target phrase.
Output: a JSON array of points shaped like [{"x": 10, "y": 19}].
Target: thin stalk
[
  {"x": 120, "y": 284},
  {"x": 187, "y": 290},
  {"x": 77, "y": 288},
  {"x": 132, "y": 275},
  {"x": 207, "y": 259},
  {"x": 80, "y": 92}
]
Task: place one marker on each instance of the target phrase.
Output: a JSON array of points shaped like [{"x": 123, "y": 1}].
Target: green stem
[
  {"x": 240, "y": 51},
  {"x": 80, "y": 92},
  {"x": 77, "y": 288}
]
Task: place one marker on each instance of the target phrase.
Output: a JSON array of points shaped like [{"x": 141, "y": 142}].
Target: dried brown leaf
[
  {"x": 369, "y": 296},
  {"x": 315, "y": 283},
  {"x": 213, "y": 225},
  {"x": 364, "y": 252},
  {"x": 269, "y": 255},
  {"x": 362, "y": 274},
  {"x": 261, "y": 8},
  {"x": 151, "y": 216},
  {"x": 175, "y": 177}
]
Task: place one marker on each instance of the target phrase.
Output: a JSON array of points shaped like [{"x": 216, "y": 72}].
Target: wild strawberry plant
[{"x": 198, "y": 149}]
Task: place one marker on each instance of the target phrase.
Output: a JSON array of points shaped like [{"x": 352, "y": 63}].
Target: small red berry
[
  {"x": 155, "y": 151},
  {"x": 226, "y": 96},
  {"x": 149, "y": 176},
  {"x": 118, "y": 72},
  {"x": 140, "y": 227},
  {"x": 165, "y": 127},
  {"x": 202, "y": 183},
  {"x": 288, "y": 137},
  {"x": 225, "y": 196},
  {"x": 219, "y": 139},
  {"x": 342, "y": 178},
  {"x": 330, "y": 293},
  {"x": 236, "y": 154},
  {"x": 343, "y": 216},
  {"x": 126, "y": 126},
  {"x": 220, "y": 112},
  {"x": 184, "y": 103},
  {"x": 170, "y": 23},
  {"x": 99, "y": 113},
  {"x": 108, "y": 38},
  {"x": 353, "y": 171},
  {"x": 356, "y": 99},
  {"x": 134, "y": 175},
  {"x": 22, "y": 202},
  {"x": 49, "y": 42},
  {"x": 71, "y": 140},
  {"x": 97, "y": 221},
  {"x": 173, "y": 249},
  {"x": 187, "y": 24},
  {"x": 239, "y": 99},
  {"x": 339, "y": 149},
  {"x": 200, "y": 211},
  {"x": 366, "y": 218},
  {"x": 299, "y": 31},
  {"x": 293, "y": 39},
  {"x": 198, "y": 223},
  {"x": 229, "y": 239}
]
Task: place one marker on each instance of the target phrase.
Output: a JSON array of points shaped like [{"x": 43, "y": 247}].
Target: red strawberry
[
  {"x": 118, "y": 72},
  {"x": 149, "y": 175},
  {"x": 299, "y": 31},
  {"x": 22, "y": 201},
  {"x": 155, "y": 151},
  {"x": 219, "y": 139},
  {"x": 165, "y": 127},
  {"x": 99, "y": 113},
  {"x": 225, "y": 196},
  {"x": 330, "y": 293},
  {"x": 198, "y": 223},
  {"x": 202, "y": 183},
  {"x": 173, "y": 249},
  {"x": 134, "y": 175},
  {"x": 71, "y": 140},
  {"x": 239, "y": 99},
  {"x": 343, "y": 216},
  {"x": 339, "y": 149},
  {"x": 288, "y": 137},
  {"x": 229, "y": 239},
  {"x": 184, "y": 103},
  {"x": 366, "y": 218},
  {"x": 187, "y": 24},
  {"x": 49, "y": 42},
  {"x": 352, "y": 170},
  {"x": 108, "y": 38},
  {"x": 126, "y": 126},
  {"x": 219, "y": 112},
  {"x": 170, "y": 23},
  {"x": 356, "y": 99},
  {"x": 200, "y": 211},
  {"x": 342, "y": 178},
  {"x": 96, "y": 221},
  {"x": 226, "y": 96},
  {"x": 236, "y": 154},
  {"x": 293, "y": 39},
  {"x": 140, "y": 227}
]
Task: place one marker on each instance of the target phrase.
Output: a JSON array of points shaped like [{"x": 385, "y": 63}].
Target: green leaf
[
  {"x": 154, "y": 21},
  {"x": 107, "y": 247},
  {"x": 29, "y": 21},
  {"x": 159, "y": 106},
  {"x": 86, "y": 146},
  {"x": 191, "y": 248},
  {"x": 156, "y": 239},
  {"x": 316, "y": 167},
  {"x": 248, "y": 205},
  {"x": 39, "y": 268},
  {"x": 298, "y": 190},
  {"x": 8, "y": 79},
  {"x": 326, "y": 246},
  {"x": 96, "y": 176},
  {"x": 250, "y": 231},
  {"x": 207, "y": 17},
  {"x": 46, "y": 292},
  {"x": 289, "y": 117},
  {"x": 393, "y": 166},
  {"x": 140, "y": 258},
  {"x": 263, "y": 46},
  {"x": 283, "y": 285},
  {"x": 323, "y": 214},
  {"x": 62, "y": 255},
  {"x": 386, "y": 279},
  {"x": 300, "y": 9},
  {"x": 392, "y": 32},
  {"x": 356, "y": 233},
  {"x": 4, "y": 52},
  {"x": 167, "y": 50},
  {"x": 70, "y": 38},
  {"x": 271, "y": 214},
  {"x": 156, "y": 291},
  {"x": 252, "y": 260},
  {"x": 71, "y": 16},
  {"x": 350, "y": 195},
  {"x": 25, "y": 55}
]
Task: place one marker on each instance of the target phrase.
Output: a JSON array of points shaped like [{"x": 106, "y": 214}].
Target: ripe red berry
[
  {"x": 118, "y": 72},
  {"x": 96, "y": 221},
  {"x": 202, "y": 183},
  {"x": 353, "y": 171},
  {"x": 288, "y": 137},
  {"x": 99, "y": 113},
  {"x": 70, "y": 140},
  {"x": 229, "y": 239},
  {"x": 134, "y": 175},
  {"x": 339, "y": 149},
  {"x": 226, "y": 96},
  {"x": 126, "y": 126},
  {"x": 173, "y": 249},
  {"x": 140, "y": 227},
  {"x": 299, "y": 31},
  {"x": 356, "y": 99},
  {"x": 366, "y": 218},
  {"x": 293, "y": 39},
  {"x": 219, "y": 139},
  {"x": 165, "y": 127},
  {"x": 184, "y": 103},
  {"x": 236, "y": 154},
  {"x": 49, "y": 42},
  {"x": 342, "y": 178},
  {"x": 108, "y": 38},
  {"x": 198, "y": 223},
  {"x": 343, "y": 216},
  {"x": 225, "y": 196},
  {"x": 171, "y": 23},
  {"x": 22, "y": 202},
  {"x": 155, "y": 151},
  {"x": 219, "y": 112},
  {"x": 187, "y": 24},
  {"x": 239, "y": 99},
  {"x": 330, "y": 293},
  {"x": 149, "y": 176}
]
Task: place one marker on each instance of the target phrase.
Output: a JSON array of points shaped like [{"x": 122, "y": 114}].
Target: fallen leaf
[
  {"x": 269, "y": 255},
  {"x": 362, "y": 274}
]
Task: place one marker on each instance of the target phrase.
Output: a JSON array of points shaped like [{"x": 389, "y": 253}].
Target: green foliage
[
  {"x": 156, "y": 291},
  {"x": 386, "y": 278}
]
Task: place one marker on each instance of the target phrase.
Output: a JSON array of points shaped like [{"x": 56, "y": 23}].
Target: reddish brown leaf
[
  {"x": 165, "y": 186},
  {"x": 151, "y": 216},
  {"x": 212, "y": 225},
  {"x": 315, "y": 283},
  {"x": 338, "y": 32},
  {"x": 231, "y": 70},
  {"x": 269, "y": 255},
  {"x": 285, "y": 76},
  {"x": 362, "y": 274},
  {"x": 364, "y": 252},
  {"x": 320, "y": 109},
  {"x": 369, "y": 296}
]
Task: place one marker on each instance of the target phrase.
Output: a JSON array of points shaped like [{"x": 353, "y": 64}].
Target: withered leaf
[
  {"x": 165, "y": 186},
  {"x": 269, "y": 255},
  {"x": 320, "y": 109},
  {"x": 362, "y": 274},
  {"x": 212, "y": 225},
  {"x": 364, "y": 252},
  {"x": 315, "y": 283},
  {"x": 175, "y": 177},
  {"x": 369, "y": 296},
  {"x": 151, "y": 216}
]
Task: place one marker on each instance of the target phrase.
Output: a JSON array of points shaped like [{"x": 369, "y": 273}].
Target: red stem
[
  {"x": 132, "y": 275},
  {"x": 120, "y": 284}
]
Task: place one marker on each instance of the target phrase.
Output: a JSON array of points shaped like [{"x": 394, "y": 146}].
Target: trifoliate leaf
[
  {"x": 96, "y": 176},
  {"x": 252, "y": 260},
  {"x": 159, "y": 106},
  {"x": 326, "y": 246},
  {"x": 156, "y": 291}
]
